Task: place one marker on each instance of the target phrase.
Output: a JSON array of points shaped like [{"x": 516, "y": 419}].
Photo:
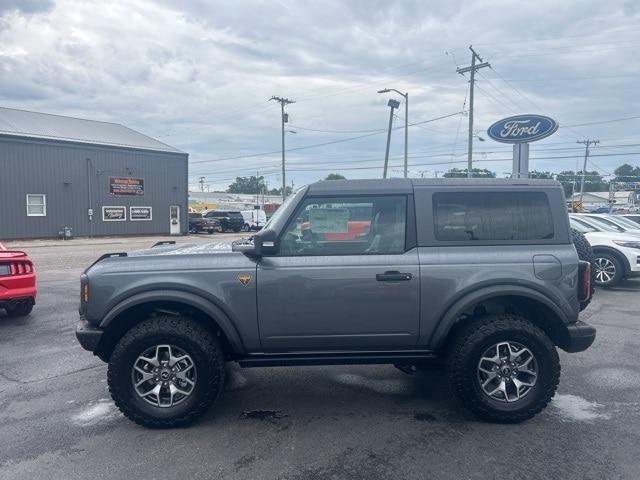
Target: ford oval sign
[{"x": 522, "y": 129}]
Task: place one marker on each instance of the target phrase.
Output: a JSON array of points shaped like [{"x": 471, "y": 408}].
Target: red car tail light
[
  {"x": 584, "y": 281},
  {"x": 22, "y": 267}
]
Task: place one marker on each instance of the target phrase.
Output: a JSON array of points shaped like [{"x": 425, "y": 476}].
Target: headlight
[{"x": 628, "y": 244}]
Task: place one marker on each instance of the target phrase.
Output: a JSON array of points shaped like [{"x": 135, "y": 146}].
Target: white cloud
[{"x": 198, "y": 75}]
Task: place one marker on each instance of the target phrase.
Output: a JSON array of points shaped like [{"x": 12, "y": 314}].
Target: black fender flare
[
  {"x": 455, "y": 310},
  {"x": 221, "y": 319}
]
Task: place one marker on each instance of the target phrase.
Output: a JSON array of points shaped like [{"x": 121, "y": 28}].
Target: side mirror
[
  {"x": 263, "y": 242},
  {"x": 247, "y": 247},
  {"x": 266, "y": 241}
]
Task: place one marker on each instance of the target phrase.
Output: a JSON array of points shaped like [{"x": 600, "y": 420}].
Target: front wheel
[
  {"x": 504, "y": 368},
  {"x": 166, "y": 372}
]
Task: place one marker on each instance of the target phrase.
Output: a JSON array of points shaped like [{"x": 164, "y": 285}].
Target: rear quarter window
[{"x": 492, "y": 216}]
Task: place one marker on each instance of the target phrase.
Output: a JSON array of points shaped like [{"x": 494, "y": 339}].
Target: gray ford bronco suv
[{"x": 479, "y": 276}]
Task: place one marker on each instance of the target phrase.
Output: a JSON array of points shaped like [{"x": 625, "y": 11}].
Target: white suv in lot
[
  {"x": 617, "y": 222},
  {"x": 617, "y": 254}
]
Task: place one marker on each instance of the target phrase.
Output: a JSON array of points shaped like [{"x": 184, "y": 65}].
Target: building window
[{"x": 36, "y": 205}]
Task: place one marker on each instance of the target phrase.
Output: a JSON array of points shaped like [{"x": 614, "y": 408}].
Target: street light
[
  {"x": 406, "y": 123},
  {"x": 393, "y": 104}
]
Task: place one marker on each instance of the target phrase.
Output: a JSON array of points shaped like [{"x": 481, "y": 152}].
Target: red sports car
[{"x": 17, "y": 283}]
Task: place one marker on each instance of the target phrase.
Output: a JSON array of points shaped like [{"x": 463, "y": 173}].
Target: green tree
[
  {"x": 251, "y": 185},
  {"x": 278, "y": 191},
  {"x": 627, "y": 173},
  {"x": 475, "y": 173},
  {"x": 335, "y": 176},
  {"x": 541, "y": 175},
  {"x": 593, "y": 181}
]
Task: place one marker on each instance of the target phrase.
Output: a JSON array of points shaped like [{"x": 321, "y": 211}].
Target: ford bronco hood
[{"x": 184, "y": 249}]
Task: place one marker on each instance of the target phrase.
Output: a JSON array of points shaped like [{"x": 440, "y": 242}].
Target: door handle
[{"x": 393, "y": 276}]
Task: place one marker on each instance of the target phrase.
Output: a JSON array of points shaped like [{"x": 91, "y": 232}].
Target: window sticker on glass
[{"x": 329, "y": 220}]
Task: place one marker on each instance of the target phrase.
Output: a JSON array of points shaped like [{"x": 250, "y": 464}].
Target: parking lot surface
[{"x": 344, "y": 422}]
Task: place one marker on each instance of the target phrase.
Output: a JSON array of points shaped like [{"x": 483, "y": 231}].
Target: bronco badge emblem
[{"x": 244, "y": 279}]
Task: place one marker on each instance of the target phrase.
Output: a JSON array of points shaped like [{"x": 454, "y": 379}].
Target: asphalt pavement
[{"x": 57, "y": 420}]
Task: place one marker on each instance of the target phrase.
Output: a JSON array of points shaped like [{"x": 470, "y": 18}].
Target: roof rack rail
[{"x": 108, "y": 255}]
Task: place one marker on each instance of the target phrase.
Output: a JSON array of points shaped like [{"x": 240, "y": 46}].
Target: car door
[{"x": 335, "y": 285}]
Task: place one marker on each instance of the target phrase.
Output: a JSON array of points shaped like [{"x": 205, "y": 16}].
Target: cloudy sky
[{"x": 197, "y": 74}]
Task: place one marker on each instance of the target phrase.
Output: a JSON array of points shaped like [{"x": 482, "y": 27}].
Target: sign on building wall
[
  {"x": 126, "y": 186},
  {"x": 114, "y": 214},
  {"x": 138, "y": 214}
]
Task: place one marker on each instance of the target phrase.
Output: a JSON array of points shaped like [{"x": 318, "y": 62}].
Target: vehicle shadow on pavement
[{"x": 338, "y": 391}]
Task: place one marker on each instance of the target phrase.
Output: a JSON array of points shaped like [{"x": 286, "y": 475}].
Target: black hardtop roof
[{"x": 402, "y": 185}]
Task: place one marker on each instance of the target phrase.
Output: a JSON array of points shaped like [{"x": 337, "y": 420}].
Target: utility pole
[
  {"x": 393, "y": 104},
  {"x": 201, "y": 181},
  {"x": 472, "y": 70},
  {"x": 586, "y": 144},
  {"x": 285, "y": 118}
]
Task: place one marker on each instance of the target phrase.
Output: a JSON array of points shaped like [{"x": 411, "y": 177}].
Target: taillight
[
  {"x": 584, "y": 281},
  {"x": 23, "y": 267}
]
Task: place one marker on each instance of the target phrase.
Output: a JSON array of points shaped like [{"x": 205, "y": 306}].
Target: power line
[
  {"x": 342, "y": 140},
  {"x": 297, "y": 127},
  {"x": 602, "y": 122},
  {"x": 350, "y": 160}
]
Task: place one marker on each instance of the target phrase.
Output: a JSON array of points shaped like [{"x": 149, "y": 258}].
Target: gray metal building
[{"x": 96, "y": 178}]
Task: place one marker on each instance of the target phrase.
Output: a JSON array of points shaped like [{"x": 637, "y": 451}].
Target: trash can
[{"x": 68, "y": 233}]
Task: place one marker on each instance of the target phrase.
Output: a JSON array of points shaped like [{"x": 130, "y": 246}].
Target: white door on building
[{"x": 174, "y": 220}]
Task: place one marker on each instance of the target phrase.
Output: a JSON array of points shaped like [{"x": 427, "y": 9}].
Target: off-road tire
[
  {"x": 469, "y": 344},
  {"x": 585, "y": 253},
  {"x": 203, "y": 346},
  {"x": 20, "y": 310}
]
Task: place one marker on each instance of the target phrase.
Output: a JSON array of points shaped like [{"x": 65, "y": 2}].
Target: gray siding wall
[{"x": 72, "y": 184}]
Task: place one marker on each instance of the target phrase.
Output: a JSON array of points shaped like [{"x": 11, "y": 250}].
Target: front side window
[
  {"x": 36, "y": 205},
  {"x": 347, "y": 226},
  {"x": 492, "y": 216}
]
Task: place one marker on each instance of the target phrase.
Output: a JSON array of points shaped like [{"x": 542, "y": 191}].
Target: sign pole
[{"x": 520, "y": 160}]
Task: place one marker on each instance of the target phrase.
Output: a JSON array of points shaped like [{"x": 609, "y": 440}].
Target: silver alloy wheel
[
  {"x": 507, "y": 371},
  {"x": 164, "y": 375},
  {"x": 605, "y": 270}
]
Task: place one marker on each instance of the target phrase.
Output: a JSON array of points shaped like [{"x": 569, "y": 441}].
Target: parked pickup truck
[{"x": 479, "y": 274}]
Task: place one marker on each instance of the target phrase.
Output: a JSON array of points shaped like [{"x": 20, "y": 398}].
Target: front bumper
[
  {"x": 580, "y": 336},
  {"x": 88, "y": 335}
]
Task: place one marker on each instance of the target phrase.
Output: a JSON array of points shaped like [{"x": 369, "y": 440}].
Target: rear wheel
[
  {"x": 608, "y": 270},
  {"x": 504, "y": 368},
  {"x": 166, "y": 372},
  {"x": 19, "y": 310}
]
